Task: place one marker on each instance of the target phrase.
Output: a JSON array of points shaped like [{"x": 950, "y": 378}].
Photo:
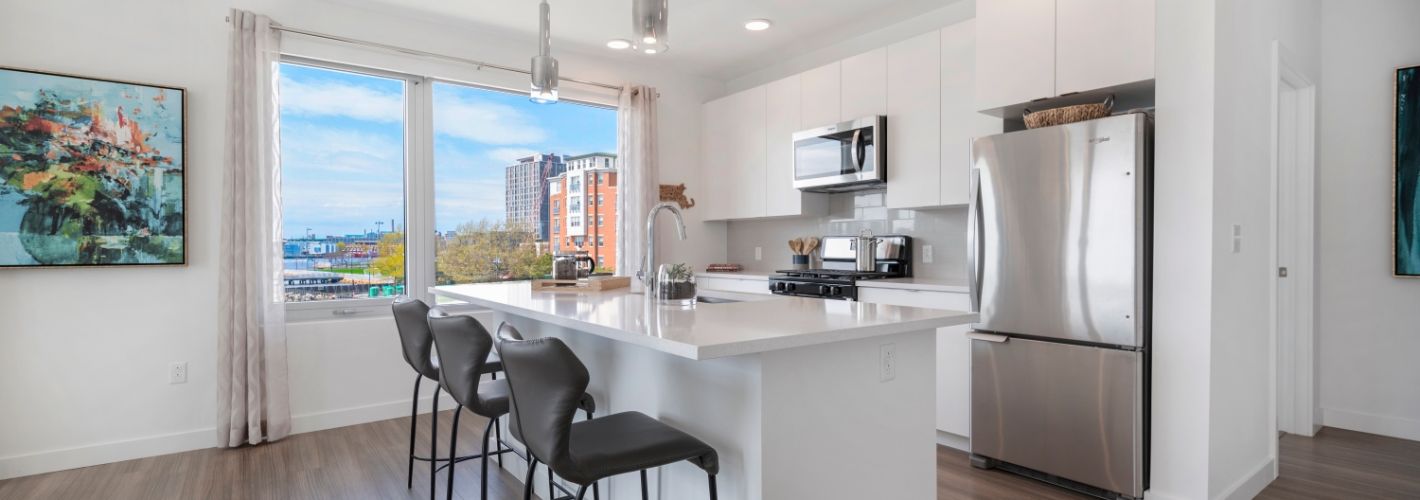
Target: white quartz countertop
[{"x": 759, "y": 323}]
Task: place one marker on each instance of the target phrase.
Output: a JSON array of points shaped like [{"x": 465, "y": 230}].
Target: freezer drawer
[{"x": 1066, "y": 410}]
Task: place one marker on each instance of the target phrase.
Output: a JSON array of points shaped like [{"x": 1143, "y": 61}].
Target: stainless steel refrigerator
[{"x": 1060, "y": 271}]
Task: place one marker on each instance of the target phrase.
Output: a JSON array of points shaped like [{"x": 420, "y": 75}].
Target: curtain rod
[{"x": 432, "y": 55}]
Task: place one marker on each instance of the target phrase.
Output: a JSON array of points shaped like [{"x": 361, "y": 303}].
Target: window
[
  {"x": 342, "y": 184},
  {"x": 599, "y": 220},
  {"x": 498, "y": 159},
  {"x": 600, "y": 242},
  {"x": 599, "y": 200}
]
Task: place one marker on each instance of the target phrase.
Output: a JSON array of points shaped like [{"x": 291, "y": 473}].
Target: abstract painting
[
  {"x": 1407, "y": 171},
  {"x": 91, "y": 171}
]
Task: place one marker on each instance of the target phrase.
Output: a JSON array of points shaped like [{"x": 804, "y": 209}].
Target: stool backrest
[
  {"x": 411, "y": 318},
  {"x": 463, "y": 345},
  {"x": 546, "y": 382}
]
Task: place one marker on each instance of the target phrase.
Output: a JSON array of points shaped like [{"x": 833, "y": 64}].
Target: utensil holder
[{"x": 800, "y": 262}]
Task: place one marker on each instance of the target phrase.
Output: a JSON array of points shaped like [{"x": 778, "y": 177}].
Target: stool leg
[
  {"x": 644, "y": 494},
  {"x": 434, "y": 445},
  {"x": 596, "y": 491},
  {"x": 713, "y": 494},
  {"x": 413, "y": 426},
  {"x": 581, "y": 492},
  {"x": 551, "y": 491},
  {"x": 527, "y": 482},
  {"x": 498, "y": 441},
  {"x": 453, "y": 451},
  {"x": 483, "y": 482}
]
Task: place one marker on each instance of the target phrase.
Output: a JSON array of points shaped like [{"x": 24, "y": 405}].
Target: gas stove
[{"x": 838, "y": 278}]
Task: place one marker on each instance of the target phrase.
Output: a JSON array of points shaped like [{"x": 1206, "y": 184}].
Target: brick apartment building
[
  {"x": 583, "y": 205},
  {"x": 526, "y": 191}
]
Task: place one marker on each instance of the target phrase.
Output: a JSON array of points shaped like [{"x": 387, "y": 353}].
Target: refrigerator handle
[
  {"x": 974, "y": 257},
  {"x": 987, "y": 337}
]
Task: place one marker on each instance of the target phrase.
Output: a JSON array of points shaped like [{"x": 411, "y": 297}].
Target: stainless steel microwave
[{"x": 847, "y": 156}]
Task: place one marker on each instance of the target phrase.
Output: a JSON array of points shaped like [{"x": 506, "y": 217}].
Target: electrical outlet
[
  {"x": 887, "y": 362},
  {"x": 177, "y": 373},
  {"x": 926, "y": 254},
  {"x": 758, "y": 253}
]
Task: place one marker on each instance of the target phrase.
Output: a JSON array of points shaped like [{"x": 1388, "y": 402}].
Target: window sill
[{"x": 352, "y": 309}]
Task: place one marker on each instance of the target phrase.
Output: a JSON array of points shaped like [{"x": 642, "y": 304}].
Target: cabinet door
[
  {"x": 1102, "y": 43},
  {"x": 1015, "y": 52},
  {"x": 819, "y": 96},
  {"x": 914, "y": 122},
  {"x": 864, "y": 85},
  {"x": 960, "y": 121},
  {"x": 715, "y": 161},
  {"x": 746, "y": 182},
  {"x": 953, "y": 353},
  {"x": 781, "y": 120}
]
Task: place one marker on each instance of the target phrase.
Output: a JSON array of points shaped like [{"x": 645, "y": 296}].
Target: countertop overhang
[{"x": 759, "y": 323}]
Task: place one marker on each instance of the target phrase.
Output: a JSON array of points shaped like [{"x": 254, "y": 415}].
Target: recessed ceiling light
[
  {"x": 758, "y": 24},
  {"x": 618, "y": 44}
]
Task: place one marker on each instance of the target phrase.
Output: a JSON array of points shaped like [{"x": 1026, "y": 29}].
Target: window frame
[{"x": 419, "y": 76}]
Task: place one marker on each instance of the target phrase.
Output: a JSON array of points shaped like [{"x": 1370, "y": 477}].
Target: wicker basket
[{"x": 1067, "y": 114}]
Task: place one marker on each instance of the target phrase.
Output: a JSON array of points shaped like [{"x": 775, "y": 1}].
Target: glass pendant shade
[
  {"x": 650, "y": 19},
  {"x": 544, "y": 66}
]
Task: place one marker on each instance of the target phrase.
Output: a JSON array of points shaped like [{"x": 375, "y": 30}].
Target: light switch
[
  {"x": 926, "y": 254},
  {"x": 758, "y": 253},
  {"x": 1237, "y": 238}
]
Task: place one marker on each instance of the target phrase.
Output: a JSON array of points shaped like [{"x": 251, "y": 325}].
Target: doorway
[{"x": 1293, "y": 247}]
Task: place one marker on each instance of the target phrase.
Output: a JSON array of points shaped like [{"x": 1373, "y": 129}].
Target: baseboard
[
  {"x": 1397, "y": 427},
  {"x": 1251, "y": 485},
  {"x": 950, "y": 440},
  {"x": 130, "y": 449}
]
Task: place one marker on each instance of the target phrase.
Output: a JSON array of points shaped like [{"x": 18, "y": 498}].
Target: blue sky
[{"x": 342, "y": 148}]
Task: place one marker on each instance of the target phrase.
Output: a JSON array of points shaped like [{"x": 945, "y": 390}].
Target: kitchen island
[{"x": 801, "y": 397}]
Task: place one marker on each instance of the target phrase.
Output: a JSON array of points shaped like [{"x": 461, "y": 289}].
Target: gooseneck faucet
[{"x": 647, "y": 274}]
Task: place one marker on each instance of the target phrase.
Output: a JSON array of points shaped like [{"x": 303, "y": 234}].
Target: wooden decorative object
[
  {"x": 676, "y": 193},
  {"x": 593, "y": 284}
]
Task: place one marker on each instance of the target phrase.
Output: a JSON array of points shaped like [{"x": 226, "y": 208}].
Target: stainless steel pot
[{"x": 866, "y": 248}]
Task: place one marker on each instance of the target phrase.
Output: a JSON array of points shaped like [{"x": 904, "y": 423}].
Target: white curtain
[
  {"x": 252, "y": 402},
  {"x": 639, "y": 184}
]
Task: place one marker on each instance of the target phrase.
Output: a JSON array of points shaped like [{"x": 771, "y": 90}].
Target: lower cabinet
[
  {"x": 953, "y": 357},
  {"x": 732, "y": 283}
]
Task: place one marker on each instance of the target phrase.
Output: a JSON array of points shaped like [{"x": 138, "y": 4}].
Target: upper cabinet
[
  {"x": 864, "y": 91},
  {"x": 1038, "y": 49},
  {"x": 819, "y": 97},
  {"x": 783, "y": 117},
  {"x": 914, "y": 114},
  {"x": 1015, "y": 52},
  {"x": 960, "y": 121},
  {"x": 746, "y": 155}
]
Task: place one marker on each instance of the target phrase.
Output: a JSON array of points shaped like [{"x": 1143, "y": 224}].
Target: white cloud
[
  {"x": 340, "y": 150},
  {"x": 509, "y": 156},
  {"x": 327, "y": 98},
  {"x": 485, "y": 122}
]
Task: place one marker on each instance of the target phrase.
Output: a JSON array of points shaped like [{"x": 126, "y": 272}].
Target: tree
[
  {"x": 487, "y": 251},
  {"x": 390, "y": 262}
]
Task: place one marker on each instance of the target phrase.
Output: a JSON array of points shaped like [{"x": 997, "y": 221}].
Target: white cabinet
[
  {"x": 864, "y": 90},
  {"x": 819, "y": 96},
  {"x": 731, "y": 282},
  {"x": 1015, "y": 52},
  {"x": 1101, "y": 43},
  {"x": 953, "y": 355},
  {"x": 732, "y": 149},
  {"x": 781, "y": 120},
  {"x": 1037, "y": 49},
  {"x": 960, "y": 121},
  {"x": 914, "y": 114}
]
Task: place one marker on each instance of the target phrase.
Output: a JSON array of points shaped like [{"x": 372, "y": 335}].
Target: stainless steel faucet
[{"x": 647, "y": 274}]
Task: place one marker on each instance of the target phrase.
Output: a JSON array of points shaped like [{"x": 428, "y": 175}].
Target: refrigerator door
[
  {"x": 1058, "y": 231},
  {"x": 1071, "y": 411}
]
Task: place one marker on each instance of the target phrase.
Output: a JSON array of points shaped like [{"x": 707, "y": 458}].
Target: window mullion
[{"x": 419, "y": 186}]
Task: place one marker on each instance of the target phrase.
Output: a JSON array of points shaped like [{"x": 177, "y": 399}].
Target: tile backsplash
[{"x": 849, "y": 213}]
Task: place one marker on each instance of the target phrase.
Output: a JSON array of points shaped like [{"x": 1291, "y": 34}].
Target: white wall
[
  {"x": 1370, "y": 325},
  {"x": 1241, "y": 407},
  {"x": 84, "y": 352},
  {"x": 1183, "y": 221}
]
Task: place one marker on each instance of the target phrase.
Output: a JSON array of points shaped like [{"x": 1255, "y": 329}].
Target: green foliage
[
  {"x": 491, "y": 251},
  {"x": 390, "y": 262},
  {"x": 679, "y": 272}
]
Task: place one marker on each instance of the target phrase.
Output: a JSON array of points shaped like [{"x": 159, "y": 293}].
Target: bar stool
[
  {"x": 545, "y": 379},
  {"x": 411, "y": 320},
  {"x": 587, "y": 404}
]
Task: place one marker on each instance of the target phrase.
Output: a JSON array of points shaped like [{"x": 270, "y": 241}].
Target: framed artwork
[
  {"x": 91, "y": 171},
  {"x": 1407, "y": 172}
]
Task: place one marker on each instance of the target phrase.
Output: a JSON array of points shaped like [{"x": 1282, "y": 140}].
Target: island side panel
[
  {"x": 715, "y": 400},
  {"x": 833, "y": 429}
]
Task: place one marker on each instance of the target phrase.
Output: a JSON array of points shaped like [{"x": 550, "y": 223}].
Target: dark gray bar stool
[
  {"x": 587, "y": 404},
  {"x": 545, "y": 381},
  {"x": 411, "y": 317}
]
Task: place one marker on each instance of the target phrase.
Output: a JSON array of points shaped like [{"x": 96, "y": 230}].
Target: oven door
[{"x": 845, "y": 156}]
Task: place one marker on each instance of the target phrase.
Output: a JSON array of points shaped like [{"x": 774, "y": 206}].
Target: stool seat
[{"x": 632, "y": 441}]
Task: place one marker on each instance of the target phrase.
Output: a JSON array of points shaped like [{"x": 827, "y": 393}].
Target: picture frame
[{"x": 93, "y": 171}]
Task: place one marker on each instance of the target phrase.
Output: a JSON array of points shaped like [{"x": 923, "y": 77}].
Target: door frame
[{"x": 1294, "y": 350}]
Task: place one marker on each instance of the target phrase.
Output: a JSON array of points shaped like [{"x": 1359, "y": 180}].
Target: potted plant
[{"x": 675, "y": 284}]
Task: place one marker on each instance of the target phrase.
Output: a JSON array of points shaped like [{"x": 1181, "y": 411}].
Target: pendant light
[
  {"x": 650, "y": 19},
  {"x": 544, "y": 67}
]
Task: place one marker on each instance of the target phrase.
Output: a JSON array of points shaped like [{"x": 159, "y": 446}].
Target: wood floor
[{"x": 367, "y": 461}]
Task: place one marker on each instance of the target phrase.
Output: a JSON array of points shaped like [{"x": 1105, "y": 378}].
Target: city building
[
  {"x": 583, "y": 202},
  {"x": 525, "y": 194}
]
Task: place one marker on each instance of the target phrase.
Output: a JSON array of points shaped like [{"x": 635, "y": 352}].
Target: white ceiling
[{"x": 707, "y": 37}]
